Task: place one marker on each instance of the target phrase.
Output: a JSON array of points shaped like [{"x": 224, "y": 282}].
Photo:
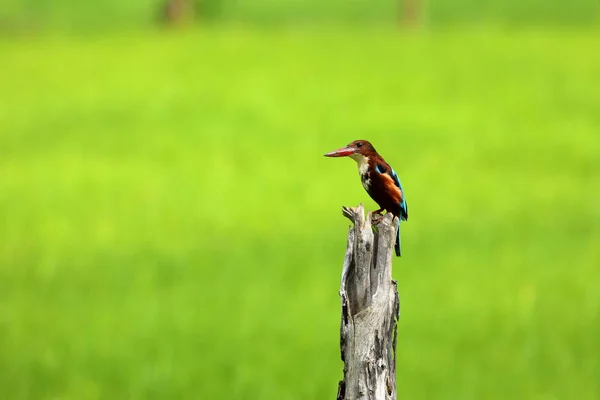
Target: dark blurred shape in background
[
  {"x": 66, "y": 14},
  {"x": 177, "y": 12}
]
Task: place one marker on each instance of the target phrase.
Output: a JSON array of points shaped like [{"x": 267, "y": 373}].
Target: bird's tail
[{"x": 397, "y": 246}]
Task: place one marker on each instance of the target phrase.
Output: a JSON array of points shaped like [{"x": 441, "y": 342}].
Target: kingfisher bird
[{"x": 379, "y": 180}]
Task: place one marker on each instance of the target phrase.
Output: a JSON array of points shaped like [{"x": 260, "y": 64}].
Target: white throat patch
[
  {"x": 362, "y": 161},
  {"x": 363, "y": 169}
]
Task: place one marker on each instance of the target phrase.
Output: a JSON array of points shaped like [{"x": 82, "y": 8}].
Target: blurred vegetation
[
  {"x": 171, "y": 230},
  {"x": 93, "y": 15}
]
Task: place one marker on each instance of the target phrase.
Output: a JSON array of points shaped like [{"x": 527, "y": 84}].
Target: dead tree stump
[{"x": 370, "y": 310}]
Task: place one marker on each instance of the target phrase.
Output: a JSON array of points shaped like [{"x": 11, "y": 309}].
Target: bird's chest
[
  {"x": 365, "y": 178},
  {"x": 363, "y": 171}
]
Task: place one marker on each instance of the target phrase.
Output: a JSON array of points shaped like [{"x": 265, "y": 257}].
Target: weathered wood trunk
[{"x": 370, "y": 310}]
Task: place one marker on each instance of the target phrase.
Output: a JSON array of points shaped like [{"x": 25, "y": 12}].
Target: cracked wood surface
[{"x": 370, "y": 309}]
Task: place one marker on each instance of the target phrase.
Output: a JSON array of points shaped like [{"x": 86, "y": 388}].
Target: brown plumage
[{"x": 379, "y": 180}]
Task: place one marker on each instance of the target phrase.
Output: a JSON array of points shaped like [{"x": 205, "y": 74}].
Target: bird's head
[{"x": 358, "y": 150}]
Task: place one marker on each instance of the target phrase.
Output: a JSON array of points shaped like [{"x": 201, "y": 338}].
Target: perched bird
[{"x": 379, "y": 180}]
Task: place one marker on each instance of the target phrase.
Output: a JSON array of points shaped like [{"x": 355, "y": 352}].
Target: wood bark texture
[{"x": 370, "y": 309}]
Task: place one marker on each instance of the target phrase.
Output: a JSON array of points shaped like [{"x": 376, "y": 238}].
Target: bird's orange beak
[{"x": 344, "y": 151}]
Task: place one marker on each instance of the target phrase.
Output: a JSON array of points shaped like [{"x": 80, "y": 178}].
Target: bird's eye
[{"x": 359, "y": 144}]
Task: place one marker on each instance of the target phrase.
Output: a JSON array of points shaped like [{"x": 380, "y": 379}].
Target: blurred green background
[{"x": 171, "y": 230}]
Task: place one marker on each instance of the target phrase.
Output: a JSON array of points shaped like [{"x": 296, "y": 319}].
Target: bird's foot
[{"x": 376, "y": 218}]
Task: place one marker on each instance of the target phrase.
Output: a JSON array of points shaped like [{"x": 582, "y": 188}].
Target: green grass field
[{"x": 171, "y": 230}]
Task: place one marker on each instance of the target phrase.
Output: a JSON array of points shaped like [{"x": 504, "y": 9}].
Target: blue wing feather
[
  {"x": 403, "y": 205},
  {"x": 403, "y": 209},
  {"x": 382, "y": 169}
]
